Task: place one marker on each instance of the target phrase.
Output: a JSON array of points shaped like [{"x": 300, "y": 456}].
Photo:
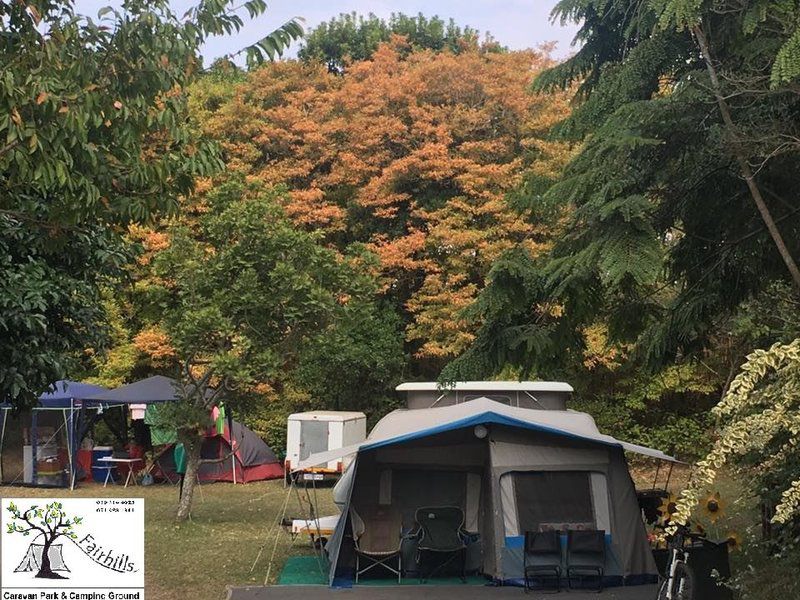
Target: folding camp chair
[
  {"x": 378, "y": 541},
  {"x": 542, "y": 559},
  {"x": 440, "y": 531},
  {"x": 586, "y": 556}
]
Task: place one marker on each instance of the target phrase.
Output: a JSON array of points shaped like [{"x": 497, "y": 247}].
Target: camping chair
[
  {"x": 586, "y": 555},
  {"x": 378, "y": 541},
  {"x": 440, "y": 533},
  {"x": 541, "y": 559}
]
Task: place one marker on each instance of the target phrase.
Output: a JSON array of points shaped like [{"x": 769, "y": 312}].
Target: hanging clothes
[
  {"x": 218, "y": 414},
  {"x": 179, "y": 456}
]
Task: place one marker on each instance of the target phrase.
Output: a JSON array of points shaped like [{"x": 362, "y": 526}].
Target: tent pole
[
  {"x": 2, "y": 440},
  {"x": 229, "y": 417},
  {"x": 655, "y": 479},
  {"x": 669, "y": 476},
  {"x": 34, "y": 444},
  {"x": 73, "y": 443},
  {"x": 70, "y": 454}
]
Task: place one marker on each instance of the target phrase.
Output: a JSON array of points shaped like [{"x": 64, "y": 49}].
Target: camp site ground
[{"x": 501, "y": 458}]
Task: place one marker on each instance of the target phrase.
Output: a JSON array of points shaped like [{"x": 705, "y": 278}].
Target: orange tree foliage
[{"x": 411, "y": 154}]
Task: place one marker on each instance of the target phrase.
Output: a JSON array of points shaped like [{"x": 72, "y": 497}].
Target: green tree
[
  {"x": 351, "y": 38},
  {"x": 247, "y": 293},
  {"x": 683, "y": 198},
  {"x": 357, "y": 362},
  {"x": 94, "y": 135},
  {"x": 49, "y": 522}
]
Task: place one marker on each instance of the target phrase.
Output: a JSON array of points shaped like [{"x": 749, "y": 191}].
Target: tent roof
[
  {"x": 66, "y": 392},
  {"x": 485, "y": 386},
  {"x": 404, "y": 425},
  {"x": 147, "y": 391}
]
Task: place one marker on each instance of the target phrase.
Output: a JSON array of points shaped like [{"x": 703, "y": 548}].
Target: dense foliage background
[
  {"x": 410, "y": 200},
  {"x": 400, "y": 167}
]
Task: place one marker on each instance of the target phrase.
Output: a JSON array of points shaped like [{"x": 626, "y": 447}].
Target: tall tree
[
  {"x": 94, "y": 136},
  {"x": 411, "y": 155},
  {"x": 242, "y": 293},
  {"x": 350, "y": 38},
  {"x": 684, "y": 196}
]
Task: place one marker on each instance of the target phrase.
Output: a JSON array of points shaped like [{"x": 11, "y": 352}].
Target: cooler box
[{"x": 99, "y": 468}]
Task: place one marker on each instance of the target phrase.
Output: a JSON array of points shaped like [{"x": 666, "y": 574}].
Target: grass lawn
[
  {"x": 231, "y": 523},
  {"x": 218, "y": 547}
]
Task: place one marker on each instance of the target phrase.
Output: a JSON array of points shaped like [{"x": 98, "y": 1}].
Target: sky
[{"x": 517, "y": 24}]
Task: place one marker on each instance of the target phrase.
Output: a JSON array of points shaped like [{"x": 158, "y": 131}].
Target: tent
[
  {"x": 32, "y": 560},
  {"x": 509, "y": 469},
  {"x": 252, "y": 459},
  {"x": 51, "y": 432},
  {"x": 155, "y": 389}
]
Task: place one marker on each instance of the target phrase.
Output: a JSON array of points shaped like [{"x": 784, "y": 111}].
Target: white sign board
[{"x": 72, "y": 549}]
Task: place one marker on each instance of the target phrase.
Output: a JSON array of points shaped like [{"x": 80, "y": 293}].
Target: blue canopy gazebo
[
  {"x": 152, "y": 390},
  {"x": 64, "y": 415}
]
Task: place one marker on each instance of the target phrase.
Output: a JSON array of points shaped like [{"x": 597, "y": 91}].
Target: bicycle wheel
[{"x": 682, "y": 584}]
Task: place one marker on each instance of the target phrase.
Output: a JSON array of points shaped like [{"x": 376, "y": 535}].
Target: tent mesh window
[
  {"x": 554, "y": 500},
  {"x": 412, "y": 489}
]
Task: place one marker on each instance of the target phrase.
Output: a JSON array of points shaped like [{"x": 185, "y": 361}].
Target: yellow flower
[
  {"x": 734, "y": 541},
  {"x": 713, "y": 507},
  {"x": 668, "y": 507}
]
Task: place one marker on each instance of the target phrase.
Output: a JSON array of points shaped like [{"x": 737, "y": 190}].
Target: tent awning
[
  {"x": 405, "y": 425},
  {"x": 66, "y": 394},
  {"x": 154, "y": 389}
]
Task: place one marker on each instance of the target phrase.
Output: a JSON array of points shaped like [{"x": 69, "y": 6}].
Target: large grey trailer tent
[{"x": 510, "y": 470}]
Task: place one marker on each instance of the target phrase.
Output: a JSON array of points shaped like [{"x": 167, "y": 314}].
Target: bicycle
[{"x": 679, "y": 581}]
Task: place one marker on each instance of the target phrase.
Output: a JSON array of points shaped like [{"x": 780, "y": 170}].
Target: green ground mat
[{"x": 304, "y": 570}]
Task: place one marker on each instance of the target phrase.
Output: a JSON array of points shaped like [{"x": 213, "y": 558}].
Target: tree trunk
[
  {"x": 192, "y": 446},
  {"x": 46, "y": 571},
  {"x": 747, "y": 171}
]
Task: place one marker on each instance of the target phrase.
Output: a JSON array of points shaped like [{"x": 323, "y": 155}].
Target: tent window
[
  {"x": 554, "y": 500},
  {"x": 412, "y": 489}
]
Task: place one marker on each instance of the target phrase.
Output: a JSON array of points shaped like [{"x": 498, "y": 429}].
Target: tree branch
[
  {"x": 744, "y": 165},
  {"x": 28, "y": 521},
  {"x": 208, "y": 461}
]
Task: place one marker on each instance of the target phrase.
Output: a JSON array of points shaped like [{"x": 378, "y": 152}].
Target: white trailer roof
[
  {"x": 327, "y": 415},
  {"x": 404, "y": 424},
  {"x": 485, "y": 386}
]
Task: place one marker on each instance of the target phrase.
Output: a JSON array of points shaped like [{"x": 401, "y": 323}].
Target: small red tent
[{"x": 252, "y": 459}]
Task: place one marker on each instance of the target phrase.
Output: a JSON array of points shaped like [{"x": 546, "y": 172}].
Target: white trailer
[{"x": 317, "y": 431}]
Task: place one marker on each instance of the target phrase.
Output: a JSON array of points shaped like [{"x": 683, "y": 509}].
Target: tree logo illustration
[{"x": 48, "y": 523}]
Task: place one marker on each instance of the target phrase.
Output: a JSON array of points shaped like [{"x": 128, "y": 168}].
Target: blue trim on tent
[
  {"x": 488, "y": 417},
  {"x": 608, "y": 580},
  {"x": 344, "y": 580},
  {"x": 518, "y": 541}
]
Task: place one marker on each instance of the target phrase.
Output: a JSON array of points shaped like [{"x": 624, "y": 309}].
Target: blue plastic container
[{"x": 100, "y": 468}]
